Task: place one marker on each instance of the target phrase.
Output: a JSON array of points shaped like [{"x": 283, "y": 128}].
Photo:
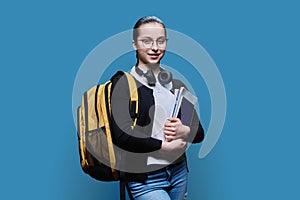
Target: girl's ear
[{"x": 134, "y": 45}]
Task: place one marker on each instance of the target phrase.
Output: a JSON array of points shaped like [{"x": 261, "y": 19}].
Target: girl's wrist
[{"x": 185, "y": 131}]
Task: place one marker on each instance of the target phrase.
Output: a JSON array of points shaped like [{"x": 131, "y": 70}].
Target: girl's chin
[
  {"x": 153, "y": 61},
  {"x": 150, "y": 62}
]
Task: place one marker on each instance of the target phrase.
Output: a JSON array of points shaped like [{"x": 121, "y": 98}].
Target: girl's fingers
[
  {"x": 170, "y": 128},
  {"x": 173, "y": 119},
  {"x": 169, "y": 138},
  {"x": 169, "y": 133},
  {"x": 169, "y": 124}
]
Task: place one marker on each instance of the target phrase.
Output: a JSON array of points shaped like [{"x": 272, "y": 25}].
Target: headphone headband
[{"x": 164, "y": 76}]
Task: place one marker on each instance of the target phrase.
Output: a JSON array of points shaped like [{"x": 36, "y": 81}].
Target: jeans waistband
[{"x": 163, "y": 168}]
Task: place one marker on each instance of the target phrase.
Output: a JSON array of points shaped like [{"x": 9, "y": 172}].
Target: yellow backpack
[{"x": 97, "y": 155}]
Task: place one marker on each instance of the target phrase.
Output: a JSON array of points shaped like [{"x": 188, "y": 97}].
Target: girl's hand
[
  {"x": 174, "y": 147},
  {"x": 174, "y": 129}
]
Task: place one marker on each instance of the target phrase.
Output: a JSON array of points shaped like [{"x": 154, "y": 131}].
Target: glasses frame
[{"x": 150, "y": 45}]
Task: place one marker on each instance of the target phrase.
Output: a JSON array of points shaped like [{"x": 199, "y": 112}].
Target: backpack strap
[
  {"x": 134, "y": 108},
  {"x": 106, "y": 112},
  {"x": 123, "y": 186},
  {"x": 133, "y": 94},
  {"x": 122, "y": 190},
  {"x": 133, "y": 97}
]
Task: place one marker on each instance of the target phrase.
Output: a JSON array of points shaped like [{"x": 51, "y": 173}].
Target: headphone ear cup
[
  {"x": 150, "y": 77},
  {"x": 165, "y": 77}
]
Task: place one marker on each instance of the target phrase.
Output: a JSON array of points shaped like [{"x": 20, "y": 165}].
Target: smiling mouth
[{"x": 152, "y": 55}]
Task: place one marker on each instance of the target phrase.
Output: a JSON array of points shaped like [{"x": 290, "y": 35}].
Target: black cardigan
[{"x": 139, "y": 140}]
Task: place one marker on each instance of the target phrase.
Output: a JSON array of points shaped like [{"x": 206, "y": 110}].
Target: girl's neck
[{"x": 154, "y": 67}]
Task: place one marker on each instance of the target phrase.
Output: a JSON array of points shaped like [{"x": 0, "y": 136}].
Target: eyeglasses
[{"x": 148, "y": 43}]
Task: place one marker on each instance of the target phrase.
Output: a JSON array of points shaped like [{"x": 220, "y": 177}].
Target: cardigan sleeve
[
  {"x": 196, "y": 130},
  {"x": 123, "y": 136}
]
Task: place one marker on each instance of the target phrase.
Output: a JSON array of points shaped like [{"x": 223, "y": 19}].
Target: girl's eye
[{"x": 147, "y": 41}]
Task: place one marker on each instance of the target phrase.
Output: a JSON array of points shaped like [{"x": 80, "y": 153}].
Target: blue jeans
[{"x": 169, "y": 183}]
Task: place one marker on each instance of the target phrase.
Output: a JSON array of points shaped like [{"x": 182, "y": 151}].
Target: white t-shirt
[{"x": 164, "y": 99}]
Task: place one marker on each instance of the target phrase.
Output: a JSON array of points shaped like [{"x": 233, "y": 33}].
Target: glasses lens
[
  {"x": 161, "y": 42},
  {"x": 148, "y": 43}
]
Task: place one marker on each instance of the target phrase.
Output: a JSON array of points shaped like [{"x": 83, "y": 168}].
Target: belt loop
[{"x": 168, "y": 171}]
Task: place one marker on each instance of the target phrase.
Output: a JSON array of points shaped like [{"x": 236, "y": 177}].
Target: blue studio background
[{"x": 255, "y": 45}]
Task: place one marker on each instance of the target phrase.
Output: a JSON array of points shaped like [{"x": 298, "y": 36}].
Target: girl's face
[{"x": 150, "y": 43}]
